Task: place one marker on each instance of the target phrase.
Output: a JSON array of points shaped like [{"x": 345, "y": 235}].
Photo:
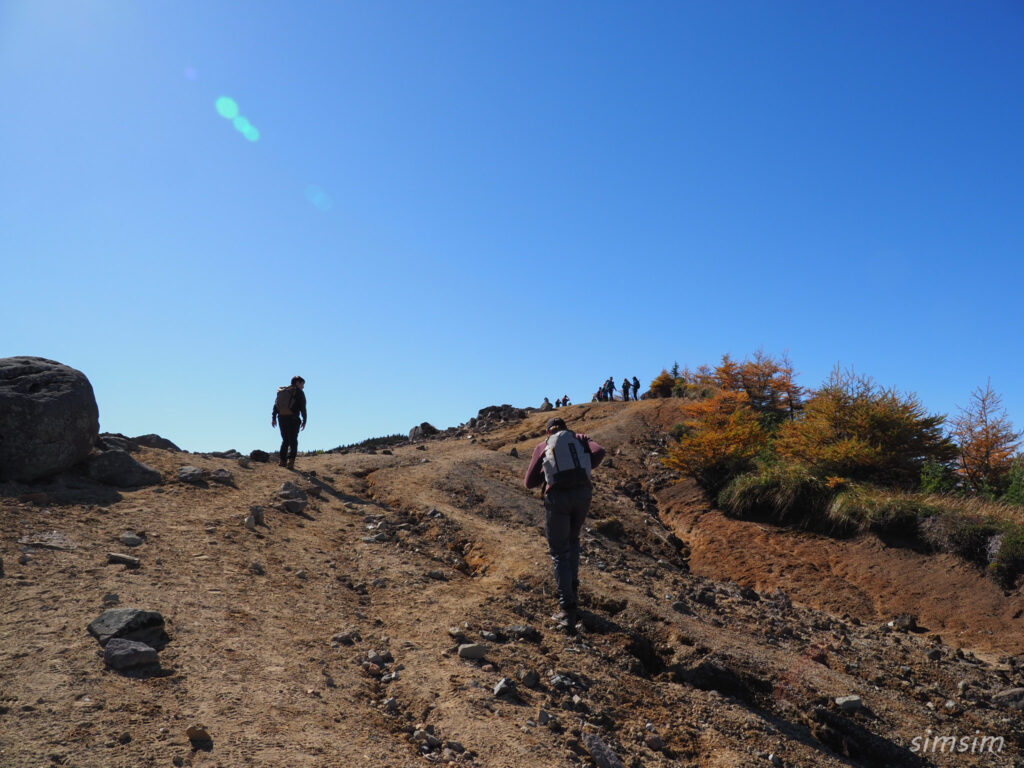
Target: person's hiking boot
[
  {"x": 565, "y": 620},
  {"x": 291, "y": 463}
]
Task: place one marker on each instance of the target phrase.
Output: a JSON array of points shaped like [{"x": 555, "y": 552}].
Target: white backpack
[{"x": 566, "y": 461}]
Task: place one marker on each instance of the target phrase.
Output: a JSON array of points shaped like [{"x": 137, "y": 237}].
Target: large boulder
[
  {"x": 120, "y": 469},
  {"x": 48, "y": 418},
  {"x": 424, "y": 430}
]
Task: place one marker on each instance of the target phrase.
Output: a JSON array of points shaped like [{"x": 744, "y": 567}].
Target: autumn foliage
[
  {"x": 987, "y": 442},
  {"x": 854, "y": 429},
  {"x": 721, "y": 435},
  {"x": 852, "y": 456}
]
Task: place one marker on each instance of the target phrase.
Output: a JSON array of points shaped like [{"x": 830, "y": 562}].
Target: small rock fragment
[
  {"x": 472, "y": 651},
  {"x": 505, "y": 688},
  {"x": 131, "y": 539},
  {"x": 849, "y": 703},
  {"x": 122, "y": 559},
  {"x": 199, "y": 736}
]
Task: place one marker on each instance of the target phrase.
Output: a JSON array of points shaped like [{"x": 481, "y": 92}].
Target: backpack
[
  {"x": 566, "y": 461},
  {"x": 285, "y": 401}
]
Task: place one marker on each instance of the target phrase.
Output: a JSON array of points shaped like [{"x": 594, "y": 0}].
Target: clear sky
[{"x": 451, "y": 205}]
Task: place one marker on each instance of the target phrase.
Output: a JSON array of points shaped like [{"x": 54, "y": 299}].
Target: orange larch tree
[
  {"x": 852, "y": 428},
  {"x": 721, "y": 435},
  {"x": 986, "y": 440}
]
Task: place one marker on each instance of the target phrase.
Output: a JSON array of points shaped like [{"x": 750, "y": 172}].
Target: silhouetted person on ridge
[
  {"x": 562, "y": 463},
  {"x": 636, "y": 388},
  {"x": 290, "y": 410},
  {"x": 625, "y": 390}
]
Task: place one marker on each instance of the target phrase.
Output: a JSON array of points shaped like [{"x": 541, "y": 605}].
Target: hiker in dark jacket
[
  {"x": 625, "y": 390},
  {"x": 290, "y": 411},
  {"x": 567, "y": 496},
  {"x": 636, "y": 388}
]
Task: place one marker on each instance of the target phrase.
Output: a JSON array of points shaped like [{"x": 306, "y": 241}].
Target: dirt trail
[{"x": 416, "y": 550}]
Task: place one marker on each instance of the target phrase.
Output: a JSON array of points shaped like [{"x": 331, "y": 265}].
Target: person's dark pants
[
  {"x": 566, "y": 510},
  {"x": 289, "y": 437}
]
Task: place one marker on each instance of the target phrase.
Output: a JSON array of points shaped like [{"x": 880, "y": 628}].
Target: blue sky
[{"x": 458, "y": 204}]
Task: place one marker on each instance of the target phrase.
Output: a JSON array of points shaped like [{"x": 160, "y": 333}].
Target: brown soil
[{"x": 723, "y": 675}]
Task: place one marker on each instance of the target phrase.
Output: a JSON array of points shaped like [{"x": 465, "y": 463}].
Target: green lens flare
[
  {"x": 227, "y": 108},
  {"x": 251, "y": 134},
  {"x": 241, "y": 124}
]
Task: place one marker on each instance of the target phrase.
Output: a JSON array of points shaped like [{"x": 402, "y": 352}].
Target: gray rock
[
  {"x": 222, "y": 476},
  {"x": 131, "y": 624},
  {"x": 155, "y": 441},
  {"x": 422, "y": 431},
  {"x": 190, "y": 474},
  {"x": 528, "y": 677},
  {"x": 505, "y": 688},
  {"x": 601, "y": 752},
  {"x": 260, "y": 456},
  {"x": 378, "y": 658},
  {"x": 905, "y": 622},
  {"x": 48, "y": 418},
  {"x": 229, "y": 454},
  {"x": 124, "y": 654},
  {"x": 472, "y": 651},
  {"x": 114, "y": 441},
  {"x": 654, "y": 741},
  {"x": 290, "y": 490},
  {"x": 295, "y": 506},
  {"x": 849, "y": 703},
  {"x": 122, "y": 559},
  {"x": 1011, "y": 697},
  {"x": 120, "y": 469},
  {"x": 130, "y": 539}
]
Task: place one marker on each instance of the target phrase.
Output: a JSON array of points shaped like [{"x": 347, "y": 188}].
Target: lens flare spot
[
  {"x": 251, "y": 134},
  {"x": 318, "y": 198},
  {"x": 241, "y": 124},
  {"x": 227, "y": 108}
]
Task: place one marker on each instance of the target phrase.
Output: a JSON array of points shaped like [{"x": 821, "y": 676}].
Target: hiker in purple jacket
[{"x": 561, "y": 465}]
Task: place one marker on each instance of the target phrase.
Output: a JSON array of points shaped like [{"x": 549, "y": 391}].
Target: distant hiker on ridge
[
  {"x": 636, "y": 388},
  {"x": 290, "y": 410},
  {"x": 546, "y": 405},
  {"x": 562, "y": 463},
  {"x": 625, "y": 390},
  {"x": 565, "y": 400}
]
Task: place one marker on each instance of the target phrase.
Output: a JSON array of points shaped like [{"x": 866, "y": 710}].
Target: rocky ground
[{"x": 402, "y": 616}]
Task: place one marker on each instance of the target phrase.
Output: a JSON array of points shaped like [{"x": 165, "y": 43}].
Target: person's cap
[{"x": 555, "y": 421}]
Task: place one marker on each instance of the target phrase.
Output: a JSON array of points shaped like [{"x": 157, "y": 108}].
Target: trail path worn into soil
[{"x": 413, "y": 551}]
